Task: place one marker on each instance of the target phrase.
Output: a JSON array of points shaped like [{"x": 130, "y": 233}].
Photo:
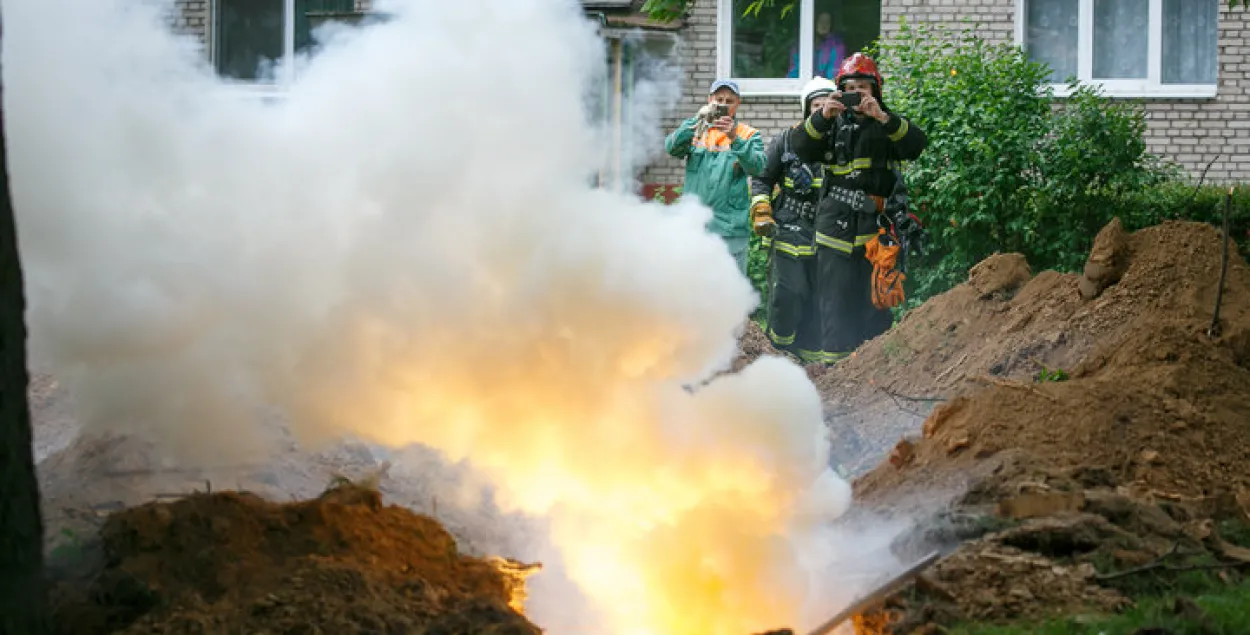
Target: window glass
[
  {"x": 249, "y": 37},
  {"x": 763, "y": 43},
  {"x": 1190, "y": 55},
  {"x": 855, "y": 23},
  {"x": 1121, "y": 39},
  {"x": 1051, "y": 35}
]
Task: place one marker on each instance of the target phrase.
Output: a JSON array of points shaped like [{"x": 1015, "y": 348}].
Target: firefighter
[
  {"x": 862, "y": 146},
  {"x": 783, "y": 210}
]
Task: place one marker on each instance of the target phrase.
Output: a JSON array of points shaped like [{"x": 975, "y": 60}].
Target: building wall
[
  {"x": 195, "y": 17},
  {"x": 192, "y": 17},
  {"x": 1193, "y": 132},
  {"x": 773, "y": 114},
  {"x": 697, "y": 51}
]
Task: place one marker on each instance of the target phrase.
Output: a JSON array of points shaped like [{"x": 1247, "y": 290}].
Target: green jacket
[{"x": 717, "y": 171}]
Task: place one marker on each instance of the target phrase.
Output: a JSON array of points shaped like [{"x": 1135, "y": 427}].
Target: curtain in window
[
  {"x": 1051, "y": 35},
  {"x": 1189, "y": 41},
  {"x": 1121, "y": 39}
]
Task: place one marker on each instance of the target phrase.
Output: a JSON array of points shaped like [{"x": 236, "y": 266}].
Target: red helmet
[{"x": 858, "y": 66}]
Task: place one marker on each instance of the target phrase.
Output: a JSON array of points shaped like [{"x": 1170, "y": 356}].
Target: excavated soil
[
  {"x": 1072, "y": 425},
  {"x": 234, "y": 563}
]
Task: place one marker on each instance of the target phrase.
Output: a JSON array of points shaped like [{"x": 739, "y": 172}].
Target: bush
[
  {"x": 1005, "y": 171},
  {"x": 757, "y": 271},
  {"x": 1176, "y": 200}
]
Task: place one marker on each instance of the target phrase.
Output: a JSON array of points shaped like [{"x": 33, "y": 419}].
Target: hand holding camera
[
  {"x": 856, "y": 102},
  {"x": 839, "y": 103},
  {"x": 712, "y": 112}
]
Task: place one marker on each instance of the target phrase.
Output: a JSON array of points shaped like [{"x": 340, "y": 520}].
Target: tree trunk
[{"x": 21, "y": 528}]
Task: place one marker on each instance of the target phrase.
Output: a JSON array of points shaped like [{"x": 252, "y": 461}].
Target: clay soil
[
  {"x": 234, "y": 563},
  {"x": 1073, "y": 426}
]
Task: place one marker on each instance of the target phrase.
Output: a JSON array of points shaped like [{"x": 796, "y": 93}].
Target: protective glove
[
  {"x": 705, "y": 113},
  {"x": 762, "y": 219}
]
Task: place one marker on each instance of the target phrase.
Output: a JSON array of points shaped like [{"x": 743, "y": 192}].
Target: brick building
[{"x": 1188, "y": 59}]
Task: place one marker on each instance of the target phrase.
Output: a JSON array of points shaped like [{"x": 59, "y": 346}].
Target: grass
[
  {"x": 1226, "y": 612},
  {"x": 1225, "y": 605}
]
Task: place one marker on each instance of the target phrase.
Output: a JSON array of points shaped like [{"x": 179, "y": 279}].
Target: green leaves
[
  {"x": 665, "y": 10},
  {"x": 1004, "y": 171}
]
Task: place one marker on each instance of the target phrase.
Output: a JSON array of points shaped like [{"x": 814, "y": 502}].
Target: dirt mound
[
  {"x": 994, "y": 328},
  {"x": 752, "y": 345},
  {"x": 233, "y": 562},
  {"x": 1088, "y": 422},
  {"x": 1135, "y": 391}
]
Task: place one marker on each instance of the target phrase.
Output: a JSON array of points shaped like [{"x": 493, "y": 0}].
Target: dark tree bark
[{"x": 21, "y": 528}]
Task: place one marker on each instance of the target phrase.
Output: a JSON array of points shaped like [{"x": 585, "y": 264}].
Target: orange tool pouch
[{"x": 887, "y": 281}]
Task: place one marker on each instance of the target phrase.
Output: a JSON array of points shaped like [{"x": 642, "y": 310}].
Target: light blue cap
[{"x": 725, "y": 83}]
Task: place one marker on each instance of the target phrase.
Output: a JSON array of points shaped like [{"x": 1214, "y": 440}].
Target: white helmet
[{"x": 817, "y": 86}]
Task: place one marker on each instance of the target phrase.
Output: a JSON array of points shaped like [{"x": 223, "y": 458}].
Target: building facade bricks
[{"x": 1200, "y": 134}]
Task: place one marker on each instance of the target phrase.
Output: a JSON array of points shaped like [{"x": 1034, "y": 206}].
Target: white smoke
[{"x": 405, "y": 249}]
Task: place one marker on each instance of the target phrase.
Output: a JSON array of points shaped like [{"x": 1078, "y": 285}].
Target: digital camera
[
  {"x": 716, "y": 112},
  {"x": 850, "y": 99}
]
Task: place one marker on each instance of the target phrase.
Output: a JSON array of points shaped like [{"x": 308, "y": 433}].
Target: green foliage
[
  {"x": 665, "y": 10},
  {"x": 1005, "y": 171},
  {"x": 756, "y": 6},
  {"x": 757, "y": 271},
  {"x": 1051, "y": 374},
  {"x": 1223, "y": 605},
  {"x": 1176, "y": 200}
]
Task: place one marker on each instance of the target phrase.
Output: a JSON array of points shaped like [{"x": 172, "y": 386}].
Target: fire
[
  {"x": 674, "y": 513},
  {"x": 875, "y": 623},
  {"x": 514, "y": 575}
]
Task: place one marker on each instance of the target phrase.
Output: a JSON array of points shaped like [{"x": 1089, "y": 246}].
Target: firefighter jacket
[
  {"x": 862, "y": 159},
  {"x": 717, "y": 170},
  {"x": 791, "y": 187}
]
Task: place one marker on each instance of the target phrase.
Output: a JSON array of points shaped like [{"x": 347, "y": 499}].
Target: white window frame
[
  {"x": 284, "y": 69},
  {"x": 759, "y": 86},
  {"x": 1150, "y": 88}
]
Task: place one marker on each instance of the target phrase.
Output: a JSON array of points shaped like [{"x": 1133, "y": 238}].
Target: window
[
  {"x": 254, "y": 39},
  {"x": 775, "y": 48},
  {"x": 1133, "y": 48}
]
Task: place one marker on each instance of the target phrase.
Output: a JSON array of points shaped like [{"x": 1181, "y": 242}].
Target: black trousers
[
  {"x": 793, "y": 317},
  {"x": 844, "y": 298},
  {"x": 845, "y": 221}
]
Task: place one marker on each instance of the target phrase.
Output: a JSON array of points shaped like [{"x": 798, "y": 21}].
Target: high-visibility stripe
[
  {"x": 898, "y": 134},
  {"x": 833, "y": 243},
  {"x": 862, "y": 163},
  {"x": 820, "y": 357},
  {"x": 780, "y": 340},
  {"x": 758, "y": 198},
  {"x": 811, "y": 130},
  {"x": 816, "y": 182},
  {"x": 798, "y": 251}
]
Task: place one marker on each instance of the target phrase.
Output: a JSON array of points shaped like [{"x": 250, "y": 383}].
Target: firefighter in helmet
[
  {"x": 862, "y": 144},
  {"x": 783, "y": 213}
]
